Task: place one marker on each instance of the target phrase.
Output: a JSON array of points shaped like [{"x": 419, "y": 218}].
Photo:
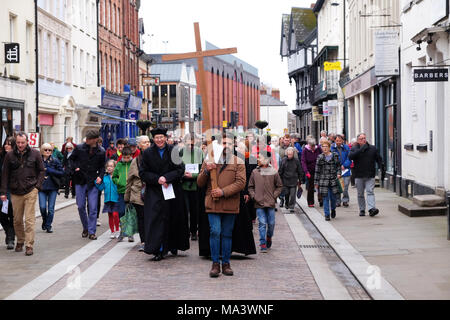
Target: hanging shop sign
[
  {"x": 431, "y": 75},
  {"x": 317, "y": 116},
  {"x": 12, "y": 53},
  {"x": 386, "y": 44},
  {"x": 330, "y": 66}
]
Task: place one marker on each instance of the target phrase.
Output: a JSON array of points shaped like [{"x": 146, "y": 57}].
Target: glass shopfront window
[
  {"x": 11, "y": 122},
  {"x": 155, "y": 97},
  {"x": 389, "y": 117}
]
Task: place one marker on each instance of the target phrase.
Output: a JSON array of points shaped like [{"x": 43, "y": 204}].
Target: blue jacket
[
  {"x": 53, "y": 168},
  {"x": 299, "y": 149},
  {"x": 343, "y": 157},
  {"x": 111, "y": 194}
]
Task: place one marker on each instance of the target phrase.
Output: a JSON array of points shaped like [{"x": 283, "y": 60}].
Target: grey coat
[
  {"x": 326, "y": 173},
  {"x": 291, "y": 172}
]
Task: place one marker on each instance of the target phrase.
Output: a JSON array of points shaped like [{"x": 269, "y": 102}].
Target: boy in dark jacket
[{"x": 264, "y": 188}]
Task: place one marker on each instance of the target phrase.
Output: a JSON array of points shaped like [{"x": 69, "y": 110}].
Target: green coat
[
  {"x": 120, "y": 176},
  {"x": 191, "y": 157}
]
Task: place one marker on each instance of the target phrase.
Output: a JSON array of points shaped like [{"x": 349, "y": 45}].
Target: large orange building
[{"x": 233, "y": 86}]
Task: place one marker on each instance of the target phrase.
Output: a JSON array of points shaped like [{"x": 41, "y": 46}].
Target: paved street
[{"x": 65, "y": 266}]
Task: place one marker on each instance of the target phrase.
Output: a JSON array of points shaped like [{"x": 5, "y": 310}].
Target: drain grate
[{"x": 313, "y": 246}]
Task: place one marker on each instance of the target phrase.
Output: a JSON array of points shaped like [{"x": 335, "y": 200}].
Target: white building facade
[
  {"x": 17, "y": 80},
  {"x": 425, "y": 57}
]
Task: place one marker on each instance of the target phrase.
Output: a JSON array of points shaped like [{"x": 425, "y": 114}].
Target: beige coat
[
  {"x": 134, "y": 184},
  {"x": 264, "y": 187},
  {"x": 232, "y": 181}
]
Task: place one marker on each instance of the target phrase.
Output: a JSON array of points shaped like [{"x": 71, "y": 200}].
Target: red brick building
[{"x": 118, "y": 44}]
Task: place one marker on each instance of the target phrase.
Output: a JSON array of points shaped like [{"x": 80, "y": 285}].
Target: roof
[
  {"x": 267, "y": 100},
  {"x": 168, "y": 72},
  {"x": 318, "y": 5},
  {"x": 303, "y": 22}
]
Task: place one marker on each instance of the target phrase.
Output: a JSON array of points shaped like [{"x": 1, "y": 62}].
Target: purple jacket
[{"x": 309, "y": 159}]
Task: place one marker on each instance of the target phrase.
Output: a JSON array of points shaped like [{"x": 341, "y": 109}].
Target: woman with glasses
[
  {"x": 47, "y": 197},
  {"x": 7, "y": 220}
]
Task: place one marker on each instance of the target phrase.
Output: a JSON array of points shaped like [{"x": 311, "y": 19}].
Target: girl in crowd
[{"x": 111, "y": 199}]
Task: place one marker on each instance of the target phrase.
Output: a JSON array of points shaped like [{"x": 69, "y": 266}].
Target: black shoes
[
  {"x": 327, "y": 218},
  {"x": 157, "y": 257},
  {"x": 281, "y": 203},
  {"x": 174, "y": 252},
  {"x": 10, "y": 245},
  {"x": 333, "y": 214},
  {"x": 194, "y": 237},
  {"x": 362, "y": 213},
  {"x": 49, "y": 230},
  {"x": 373, "y": 212},
  {"x": 269, "y": 242},
  {"x": 85, "y": 234},
  {"x": 345, "y": 204}
]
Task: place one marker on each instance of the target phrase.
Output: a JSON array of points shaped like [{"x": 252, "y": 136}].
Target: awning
[{"x": 112, "y": 117}]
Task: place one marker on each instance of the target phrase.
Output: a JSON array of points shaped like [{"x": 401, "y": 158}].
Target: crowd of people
[{"x": 184, "y": 190}]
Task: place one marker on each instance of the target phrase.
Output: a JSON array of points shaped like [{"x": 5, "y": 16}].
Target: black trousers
[
  {"x": 310, "y": 196},
  {"x": 191, "y": 199},
  {"x": 7, "y": 222},
  {"x": 67, "y": 187},
  {"x": 140, "y": 220}
]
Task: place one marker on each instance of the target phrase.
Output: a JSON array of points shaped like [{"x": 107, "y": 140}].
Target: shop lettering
[{"x": 430, "y": 75}]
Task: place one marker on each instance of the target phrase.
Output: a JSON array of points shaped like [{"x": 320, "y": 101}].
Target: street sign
[
  {"x": 329, "y": 66},
  {"x": 431, "y": 75},
  {"x": 150, "y": 80},
  {"x": 33, "y": 140},
  {"x": 12, "y": 53}
]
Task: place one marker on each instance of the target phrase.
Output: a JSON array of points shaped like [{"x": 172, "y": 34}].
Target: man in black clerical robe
[{"x": 166, "y": 221}]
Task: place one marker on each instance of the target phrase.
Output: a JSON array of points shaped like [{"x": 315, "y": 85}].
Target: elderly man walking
[
  {"x": 292, "y": 175},
  {"x": 364, "y": 157},
  {"x": 23, "y": 174},
  {"x": 89, "y": 168}
]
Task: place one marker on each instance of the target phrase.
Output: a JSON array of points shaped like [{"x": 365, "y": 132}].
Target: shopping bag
[
  {"x": 128, "y": 222},
  {"x": 339, "y": 186},
  {"x": 299, "y": 192}
]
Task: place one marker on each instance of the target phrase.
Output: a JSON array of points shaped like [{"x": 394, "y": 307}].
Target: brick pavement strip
[{"x": 282, "y": 273}]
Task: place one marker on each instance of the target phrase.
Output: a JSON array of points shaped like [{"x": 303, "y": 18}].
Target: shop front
[{"x": 12, "y": 116}]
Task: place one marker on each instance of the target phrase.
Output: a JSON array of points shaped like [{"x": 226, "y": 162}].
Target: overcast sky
[{"x": 253, "y": 26}]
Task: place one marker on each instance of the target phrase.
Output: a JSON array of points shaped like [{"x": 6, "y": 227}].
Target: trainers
[
  {"x": 311, "y": 205},
  {"x": 113, "y": 235},
  {"x": 120, "y": 238},
  {"x": 263, "y": 248},
  {"x": 85, "y": 234},
  {"x": 131, "y": 239},
  {"x": 98, "y": 223},
  {"x": 333, "y": 214},
  {"x": 49, "y": 230},
  {"x": 10, "y": 245},
  {"x": 373, "y": 212},
  {"x": 327, "y": 218},
  {"x": 269, "y": 242},
  {"x": 141, "y": 247},
  {"x": 92, "y": 237},
  {"x": 226, "y": 269},
  {"x": 362, "y": 213},
  {"x": 215, "y": 270}
]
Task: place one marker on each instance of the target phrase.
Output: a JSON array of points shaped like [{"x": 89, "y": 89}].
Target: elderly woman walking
[
  {"x": 47, "y": 196},
  {"x": 309, "y": 159},
  {"x": 135, "y": 187},
  {"x": 328, "y": 170}
]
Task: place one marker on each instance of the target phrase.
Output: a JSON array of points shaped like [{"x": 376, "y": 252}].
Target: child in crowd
[
  {"x": 111, "y": 199},
  {"x": 264, "y": 187},
  {"x": 120, "y": 176}
]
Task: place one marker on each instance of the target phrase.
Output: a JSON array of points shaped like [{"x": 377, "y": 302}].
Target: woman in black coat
[{"x": 7, "y": 220}]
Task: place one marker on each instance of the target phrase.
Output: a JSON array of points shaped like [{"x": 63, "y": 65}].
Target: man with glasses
[
  {"x": 89, "y": 168},
  {"x": 364, "y": 157},
  {"x": 23, "y": 175}
]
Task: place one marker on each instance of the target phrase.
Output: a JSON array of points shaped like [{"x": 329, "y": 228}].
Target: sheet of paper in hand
[
  {"x": 168, "y": 192},
  {"x": 5, "y": 207},
  {"x": 191, "y": 168}
]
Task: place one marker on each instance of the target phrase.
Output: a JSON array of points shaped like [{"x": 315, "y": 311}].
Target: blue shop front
[{"x": 119, "y": 114}]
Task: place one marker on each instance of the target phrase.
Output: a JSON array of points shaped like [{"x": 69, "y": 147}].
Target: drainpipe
[
  {"x": 98, "y": 47},
  {"x": 37, "y": 62}
]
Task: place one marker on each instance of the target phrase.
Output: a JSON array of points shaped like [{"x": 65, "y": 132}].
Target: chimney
[
  {"x": 276, "y": 93},
  {"x": 313, "y": 5}
]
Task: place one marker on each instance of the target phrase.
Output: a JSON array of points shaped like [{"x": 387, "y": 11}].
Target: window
[
  {"x": 81, "y": 69},
  {"x": 119, "y": 79},
  {"x": 46, "y": 53},
  {"x": 113, "y": 85},
  {"x": 63, "y": 61},
  {"x": 87, "y": 72},
  {"x": 74, "y": 68},
  {"x": 114, "y": 19}
]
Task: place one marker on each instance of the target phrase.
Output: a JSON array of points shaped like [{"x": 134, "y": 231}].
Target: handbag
[
  {"x": 339, "y": 186},
  {"x": 56, "y": 180},
  {"x": 128, "y": 223}
]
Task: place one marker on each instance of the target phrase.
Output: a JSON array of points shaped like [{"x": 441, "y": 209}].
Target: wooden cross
[{"x": 199, "y": 55}]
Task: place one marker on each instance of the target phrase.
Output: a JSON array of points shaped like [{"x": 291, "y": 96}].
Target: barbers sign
[
  {"x": 12, "y": 53},
  {"x": 431, "y": 75}
]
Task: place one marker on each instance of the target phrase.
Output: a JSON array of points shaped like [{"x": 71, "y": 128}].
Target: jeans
[
  {"x": 266, "y": 216},
  {"x": 47, "y": 200},
  {"x": 365, "y": 184},
  {"x": 330, "y": 197},
  {"x": 345, "y": 196},
  {"x": 88, "y": 220},
  {"x": 221, "y": 226}
]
